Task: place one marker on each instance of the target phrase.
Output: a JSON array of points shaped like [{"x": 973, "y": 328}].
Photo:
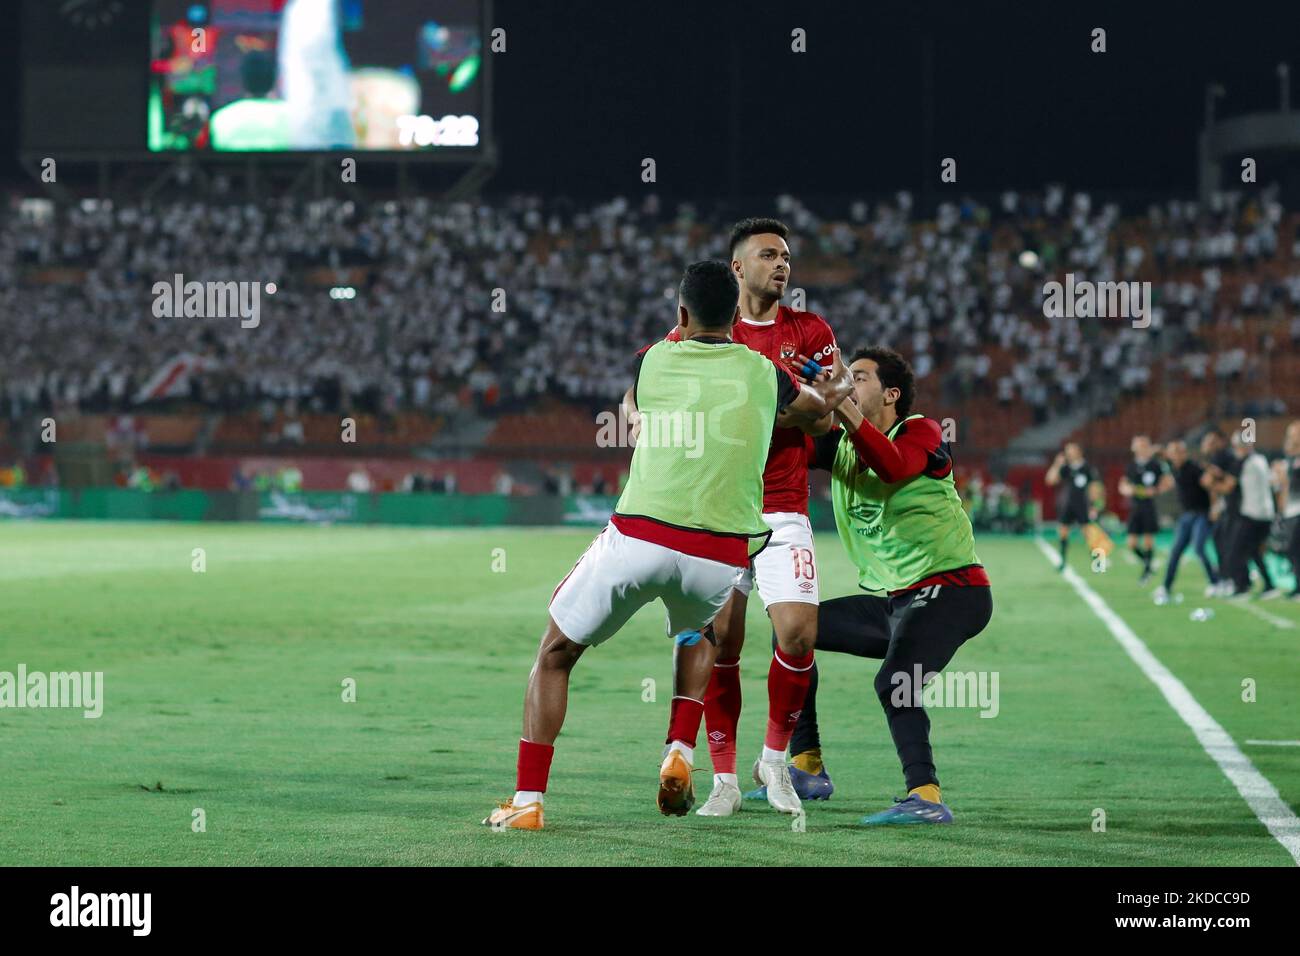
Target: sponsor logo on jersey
[
  {"x": 825, "y": 353},
  {"x": 867, "y": 515}
]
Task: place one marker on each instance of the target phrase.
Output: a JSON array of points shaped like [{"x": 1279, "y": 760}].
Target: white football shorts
[
  {"x": 786, "y": 570},
  {"x": 618, "y": 575}
]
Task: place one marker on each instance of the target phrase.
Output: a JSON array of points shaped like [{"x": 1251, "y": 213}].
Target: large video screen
[{"x": 304, "y": 75}]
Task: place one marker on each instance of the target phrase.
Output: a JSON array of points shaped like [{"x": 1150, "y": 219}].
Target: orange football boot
[
  {"x": 509, "y": 817},
  {"x": 676, "y": 792}
]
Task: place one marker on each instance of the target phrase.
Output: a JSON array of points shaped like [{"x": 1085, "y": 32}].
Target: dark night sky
[
  {"x": 710, "y": 89},
  {"x": 1018, "y": 97}
]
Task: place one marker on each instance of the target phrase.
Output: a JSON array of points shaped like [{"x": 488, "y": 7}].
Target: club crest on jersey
[{"x": 788, "y": 351}]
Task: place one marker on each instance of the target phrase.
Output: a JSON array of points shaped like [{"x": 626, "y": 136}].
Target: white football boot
[
  {"x": 775, "y": 776},
  {"x": 723, "y": 801}
]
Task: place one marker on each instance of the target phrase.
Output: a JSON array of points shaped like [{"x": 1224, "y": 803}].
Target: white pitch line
[
  {"x": 1260, "y": 795},
  {"x": 1260, "y": 613},
  {"x": 1274, "y": 743}
]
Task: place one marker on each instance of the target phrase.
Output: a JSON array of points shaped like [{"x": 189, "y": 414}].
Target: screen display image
[{"x": 315, "y": 75}]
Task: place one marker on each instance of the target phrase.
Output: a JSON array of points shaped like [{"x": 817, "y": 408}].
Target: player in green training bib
[
  {"x": 902, "y": 522},
  {"x": 683, "y": 531}
]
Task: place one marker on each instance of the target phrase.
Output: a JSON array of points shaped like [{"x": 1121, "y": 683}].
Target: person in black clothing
[
  {"x": 1079, "y": 483},
  {"x": 1194, "y": 523},
  {"x": 1145, "y": 478},
  {"x": 1222, "y": 469}
]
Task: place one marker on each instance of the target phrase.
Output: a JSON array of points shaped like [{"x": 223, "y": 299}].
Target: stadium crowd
[{"x": 582, "y": 286}]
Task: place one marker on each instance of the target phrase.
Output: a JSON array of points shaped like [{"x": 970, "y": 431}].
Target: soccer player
[
  {"x": 1193, "y": 524},
  {"x": 1145, "y": 478},
  {"x": 1254, "y": 519},
  {"x": 1220, "y": 479},
  {"x": 683, "y": 531},
  {"x": 902, "y": 523},
  {"x": 1080, "y": 485},
  {"x": 785, "y": 573},
  {"x": 258, "y": 121}
]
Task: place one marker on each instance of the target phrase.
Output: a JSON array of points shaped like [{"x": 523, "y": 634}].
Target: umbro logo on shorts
[{"x": 717, "y": 736}]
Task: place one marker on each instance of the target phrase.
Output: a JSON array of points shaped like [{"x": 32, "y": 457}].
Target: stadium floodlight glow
[{"x": 343, "y": 292}]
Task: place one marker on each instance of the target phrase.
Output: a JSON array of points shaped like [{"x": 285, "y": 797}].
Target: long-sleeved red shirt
[{"x": 915, "y": 449}]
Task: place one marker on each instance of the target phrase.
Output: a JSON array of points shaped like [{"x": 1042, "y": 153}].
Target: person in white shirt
[{"x": 1254, "y": 521}]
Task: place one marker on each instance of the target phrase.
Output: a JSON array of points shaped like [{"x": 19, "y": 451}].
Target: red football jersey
[{"x": 791, "y": 333}]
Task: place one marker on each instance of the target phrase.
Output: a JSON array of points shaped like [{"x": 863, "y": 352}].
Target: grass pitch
[{"x": 224, "y": 693}]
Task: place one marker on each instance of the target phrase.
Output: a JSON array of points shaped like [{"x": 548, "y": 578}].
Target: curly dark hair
[
  {"x": 894, "y": 372},
  {"x": 755, "y": 227}
]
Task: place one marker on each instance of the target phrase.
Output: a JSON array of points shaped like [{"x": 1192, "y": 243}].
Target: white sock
[
  {"x": 770, "y": 754},
  {"x": 687, "y": 751},
  {"x": 721, "y": 778},
  {"x": 525, "y": 797}
]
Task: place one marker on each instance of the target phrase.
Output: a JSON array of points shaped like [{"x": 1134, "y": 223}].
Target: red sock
[
  {"x": 722, "y": 714},
  {"x": 787, "y": 686},
  {"x": 684, "y": 718},
  {"x": 534, "y": 766}
]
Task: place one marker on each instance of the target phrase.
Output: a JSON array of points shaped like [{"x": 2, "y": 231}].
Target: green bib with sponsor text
[{"x": 900, "y": 533}]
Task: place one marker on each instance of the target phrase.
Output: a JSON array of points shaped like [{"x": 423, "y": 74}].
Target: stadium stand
[{"x": 499, "y": 329}]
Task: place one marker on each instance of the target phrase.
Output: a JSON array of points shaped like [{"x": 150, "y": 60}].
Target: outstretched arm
[
  {"x": 818, "y": 426},
  {"x": 823, "y": 390},
  {"x": 910, "y": 453},
  {"x": 1053, "y": 476},
  {"x": 815, "y": 428}
]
